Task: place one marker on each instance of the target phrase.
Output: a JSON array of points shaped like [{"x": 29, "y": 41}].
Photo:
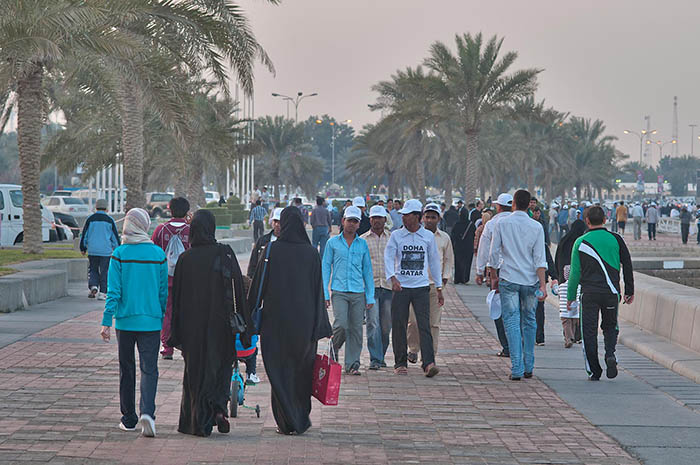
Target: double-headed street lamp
[
  {"x": 296, "y": 100},
  {"x": 661, "y": 146},
  {"x": 333, "y": 125},
  {"x": 644, "y": 133}
]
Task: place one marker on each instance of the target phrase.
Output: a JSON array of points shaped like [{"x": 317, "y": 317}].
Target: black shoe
[
  {"x": 594, "y": 378},
  {"x": 413, "y": 358},
  {"x": 222, "y": 423},
  {"x": 514, "y": 378},
  {"x": 611, "y": 371},
  {"x": 382, "y": 364},
  {"x": 528, "y": 374},
  {"x": 374, "y": 366}
]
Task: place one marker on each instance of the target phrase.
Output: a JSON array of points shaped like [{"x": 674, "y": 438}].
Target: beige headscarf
[{"x": 136, "y": 224}]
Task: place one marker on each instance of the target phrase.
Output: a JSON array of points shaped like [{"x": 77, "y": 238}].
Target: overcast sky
[{"x": 616, "y": 60}]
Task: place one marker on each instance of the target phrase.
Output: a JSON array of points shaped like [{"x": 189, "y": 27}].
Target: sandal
[
  {"x": 400, "y": 371},
  {"x": 354, "y": 370}
]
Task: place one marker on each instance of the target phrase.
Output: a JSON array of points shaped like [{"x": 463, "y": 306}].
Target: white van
[{"x": 12, "y": 217}]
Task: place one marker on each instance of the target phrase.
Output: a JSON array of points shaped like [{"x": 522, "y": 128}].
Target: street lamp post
[
  {"x": 295, "y": 100},
  {"x": 644, "y": 133},
  {"x": 661, "y": 146},
  {"x": 332, "y": 124}
]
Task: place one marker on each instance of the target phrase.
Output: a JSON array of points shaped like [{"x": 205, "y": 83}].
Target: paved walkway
[
  {"x": 653, "y": 412},
  {"x": 59, "y": 405}
]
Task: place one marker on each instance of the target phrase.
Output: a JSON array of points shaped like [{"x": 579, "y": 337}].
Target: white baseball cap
[
  {"x": 505, "y": 200},
  {"x": 358, "y": 202},
  {"x": 353, "y": 212},
  {"x": 377, "y": 210},
  {"x": 277, "y": 213},
  {"x": 433, "y": 207},
  {"x": 411, "y": 206}
]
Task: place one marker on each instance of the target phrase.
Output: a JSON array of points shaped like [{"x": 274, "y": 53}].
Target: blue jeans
[
  {"x": 148, "y": 343},
  {"x": 518, "y": 303},
  {"x": 319, "y": 237},
  {"x": 379, "y": 325},
  {"x": 97, "y": 273}
]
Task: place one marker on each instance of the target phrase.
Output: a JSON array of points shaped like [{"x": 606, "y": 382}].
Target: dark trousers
[
  {"x": 685, "y": 228},
  {"x": 651, "y": 230},
  {"x": 148, "y": 343},
  {"x": 591, "y": 305},
  {"x": 621, "y": 226},
  {"x": 251, "y": 363},
  {"x": 501, "y": 331},
  {"x": 539, "y": 318},
  {"x": 97, "y": 274},
  {"x": 258, "y": 229},
  {"x": 400, "y": 302}
]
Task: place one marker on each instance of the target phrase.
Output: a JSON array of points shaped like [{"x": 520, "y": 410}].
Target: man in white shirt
[
  {"x": 518, "y": 242},
  {"x": 637, "y": 216},
  {"x": 410, "y": 258},
  {"x": 504, "y": 204},
  {"x": 431, "y": 218}
]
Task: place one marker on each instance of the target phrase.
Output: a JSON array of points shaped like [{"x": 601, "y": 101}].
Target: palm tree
[
  {"x": 197, "y": 38},
  {"x": 285, "y": 156},
  {"x": 593, "y": 156},
  {"x": 35, "y": 36},
  {"x": 474, "y": 85}
]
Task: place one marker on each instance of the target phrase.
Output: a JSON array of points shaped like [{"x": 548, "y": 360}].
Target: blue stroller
[{"x": 238, "y": 384}]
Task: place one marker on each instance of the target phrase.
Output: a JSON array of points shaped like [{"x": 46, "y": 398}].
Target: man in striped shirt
[
  {"x": 379, "y": 316},
  {"x": 257, "y": 220}
]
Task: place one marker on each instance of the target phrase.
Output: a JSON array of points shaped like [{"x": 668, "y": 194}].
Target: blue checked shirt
[
  {"x": 351, "y": 267},
  {"x": 258, "y": 213}
]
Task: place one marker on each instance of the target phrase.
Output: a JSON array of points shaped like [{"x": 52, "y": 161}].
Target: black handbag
[{"x": 236, "y": 320}]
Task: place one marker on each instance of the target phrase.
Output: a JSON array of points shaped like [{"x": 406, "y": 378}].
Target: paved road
[
  {"x": 59, "y": 404},
  {"x": 653, "y": 412}
]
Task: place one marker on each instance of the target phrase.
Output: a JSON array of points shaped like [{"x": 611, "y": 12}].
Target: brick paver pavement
[{"x": 59, "y": 405}]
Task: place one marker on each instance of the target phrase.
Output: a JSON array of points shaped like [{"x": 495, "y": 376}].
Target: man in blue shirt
[
  {"x": 98, "y": 239},
  {"x": 346, "y": 258},
  {"x": 257, "y": 217}
]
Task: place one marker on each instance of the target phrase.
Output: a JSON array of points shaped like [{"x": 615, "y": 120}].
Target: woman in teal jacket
[{"x": 136, "y": 298}]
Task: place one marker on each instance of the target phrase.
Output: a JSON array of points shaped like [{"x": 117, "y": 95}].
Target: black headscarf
[
  {"x": 203, "y": 228},
  {"x": 292, "y": 227},
  {"x": 566, "y": 245}
]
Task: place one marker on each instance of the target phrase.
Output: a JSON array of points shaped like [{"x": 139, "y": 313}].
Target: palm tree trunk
[
  {"x": 29, "y": 123},
  {"x": 420, "y": 181},
  {"x": 471, "y": 174},
  {"x": 195, "y": 170},
  {"x": 448, "y": 190},
  {"x": 181, "y": 181},
  {"x": 131, "y": 111}
]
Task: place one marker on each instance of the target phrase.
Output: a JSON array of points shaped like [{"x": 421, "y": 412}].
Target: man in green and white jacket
[{"x": 596, "y": 259}]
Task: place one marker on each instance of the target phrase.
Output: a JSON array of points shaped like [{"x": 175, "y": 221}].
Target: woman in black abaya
[
  {"x": 294, "y": 318},
  {"x": 207, "y": 285},
  {"x": 463, "y": 244}
]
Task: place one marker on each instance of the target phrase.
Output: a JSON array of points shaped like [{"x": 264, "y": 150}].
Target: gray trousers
[
  {"x": 349, "y": 312},
  {"x": 637, "y": 227}
]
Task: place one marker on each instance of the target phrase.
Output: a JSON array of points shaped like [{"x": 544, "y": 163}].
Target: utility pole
[{"x": 692, "y": 139}]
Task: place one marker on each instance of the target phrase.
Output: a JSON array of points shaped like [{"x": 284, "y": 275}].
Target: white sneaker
[
  {"x": 148, "y": 426},
  {"x": 253, "y": 378},
  {"x": 123, "y": 427},
  {"x": 92, "y": 293},
  {"x": 101, "y": 296}
]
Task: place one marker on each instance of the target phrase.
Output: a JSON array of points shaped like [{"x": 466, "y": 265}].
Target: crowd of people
[{"x": 387, "y": 267}]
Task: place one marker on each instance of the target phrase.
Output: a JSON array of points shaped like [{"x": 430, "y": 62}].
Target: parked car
[
  {"x": 70, "y": 205},
  {"x": 12, "y": 217},
  {"x": 211, "y": 196},
  {"x": 62, "y": 193},
  {"x": 157, "y": 204},
  {"x": 67, "y": 222}
]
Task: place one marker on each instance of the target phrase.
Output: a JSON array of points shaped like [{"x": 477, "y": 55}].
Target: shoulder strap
[{"x": 264, "y": 272}]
